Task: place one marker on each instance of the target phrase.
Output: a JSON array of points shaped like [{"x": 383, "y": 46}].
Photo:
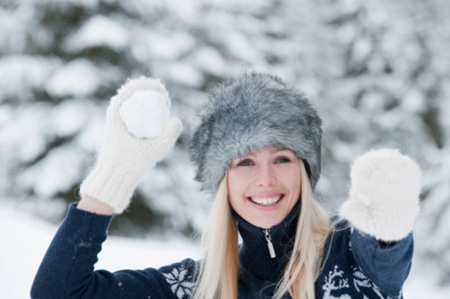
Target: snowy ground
[{"x": 24, "y": 240}]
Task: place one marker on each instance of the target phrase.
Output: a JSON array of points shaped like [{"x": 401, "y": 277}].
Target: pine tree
[{"x": 376, "y": 71}]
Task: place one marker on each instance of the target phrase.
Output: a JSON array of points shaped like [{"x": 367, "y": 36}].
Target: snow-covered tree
[{"x": 377, "y": 71}]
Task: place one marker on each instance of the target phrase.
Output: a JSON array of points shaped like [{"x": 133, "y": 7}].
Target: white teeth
[{"x": 266, "y": 201}]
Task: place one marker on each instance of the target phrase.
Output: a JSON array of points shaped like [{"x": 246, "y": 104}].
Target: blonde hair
[{"x": 218, "y": 271}]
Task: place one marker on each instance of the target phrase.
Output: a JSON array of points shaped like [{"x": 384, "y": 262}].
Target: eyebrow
[{"x": 278, "y": 149}]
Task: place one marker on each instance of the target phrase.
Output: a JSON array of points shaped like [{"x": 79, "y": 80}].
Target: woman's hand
[
  {"x": 138, "y": 133},
  {"x": 384, "y": 195}
]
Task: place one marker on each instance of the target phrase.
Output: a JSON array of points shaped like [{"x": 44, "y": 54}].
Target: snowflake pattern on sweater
[
  {"x": 182, "y": 285},
  {"x": 180, "y": 281},
  {"x": 341, "y": 282},
  {"x": 335, "y": 281},
  {"x": 348, "y": 272}
]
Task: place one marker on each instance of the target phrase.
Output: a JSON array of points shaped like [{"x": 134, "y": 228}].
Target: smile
[{"x": 266, "y": 201}]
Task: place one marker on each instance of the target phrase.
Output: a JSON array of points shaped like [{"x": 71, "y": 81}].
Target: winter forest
[{"x": 377, "y": 71}]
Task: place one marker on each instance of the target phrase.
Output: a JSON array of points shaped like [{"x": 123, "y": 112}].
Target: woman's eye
[
  {"x": 283, "y": 160},
  {"x": 245, "y": 162}
]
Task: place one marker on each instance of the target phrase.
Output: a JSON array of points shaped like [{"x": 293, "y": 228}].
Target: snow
[
  {"x": 12, "y": 132},
  {"x": 91, "y": 4},
  {"x": 209, "y": 60},
  {"x": 21, "y": 72},
  {"x": 159, "y": 45},
  {"x": 185, "y": 74},
  {"x": 26, "y": 238},
  {"x": 64, "y": 161},
  {"x": 77, "y": 78},
  {"x": 61, "y": 61},
  {"x": 362, "y": 49},
  {"x": 145, "y": 113},
  {"x": 414, "y": 101},
  {"x": 420, "y": 286},
  {"x": 241, "y": 47},
  {"x": 71, "y": 117},
  {"x": 8, "y": 23},
  {"x": 97, "y": 32}
]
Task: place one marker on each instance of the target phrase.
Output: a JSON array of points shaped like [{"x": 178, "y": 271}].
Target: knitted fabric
[
  {"x": 384, "y": 194},
  {"x": 123, "y": 158},
  {"x": 357, "y": 266}
]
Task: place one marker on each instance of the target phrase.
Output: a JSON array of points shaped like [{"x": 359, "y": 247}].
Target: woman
[{"x": 257, "y": 151}]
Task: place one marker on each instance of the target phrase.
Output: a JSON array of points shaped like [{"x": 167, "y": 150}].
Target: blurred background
[{"x": 377, "y": 71}]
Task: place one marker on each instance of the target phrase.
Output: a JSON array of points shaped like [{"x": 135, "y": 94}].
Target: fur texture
[{"x": 250, "y": 112}]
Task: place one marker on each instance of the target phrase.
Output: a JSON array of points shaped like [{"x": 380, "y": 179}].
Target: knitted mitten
[
  {"x": 138, "y": 133},
  {"x": 384, "y": 195}
]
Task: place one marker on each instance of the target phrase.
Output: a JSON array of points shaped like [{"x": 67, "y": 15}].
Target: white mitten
[
  {"x": 384, "y": 194},
  {"x": 138, "y": 133}
]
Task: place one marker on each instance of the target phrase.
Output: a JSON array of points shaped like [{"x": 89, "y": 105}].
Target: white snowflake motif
[
  {"x": 333, "y": 282},
  {"x": 361, "y": 281},
  {"x": 179, "y": 282}
]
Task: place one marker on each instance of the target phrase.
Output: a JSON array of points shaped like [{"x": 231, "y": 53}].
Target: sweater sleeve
[
  {"x": 67, "y": 270},
  {"x": 388, "y": 267}
]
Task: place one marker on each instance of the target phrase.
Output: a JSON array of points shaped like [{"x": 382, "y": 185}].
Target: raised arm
[
  {"x": 382, "y": 207},
  {"x": 138, "y": 133}
]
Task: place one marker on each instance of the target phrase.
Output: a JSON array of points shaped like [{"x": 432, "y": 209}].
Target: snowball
[{"x": 145, "y": 113}]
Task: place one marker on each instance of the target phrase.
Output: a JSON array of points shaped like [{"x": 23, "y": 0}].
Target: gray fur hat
[{"x": 248, "y": 113}]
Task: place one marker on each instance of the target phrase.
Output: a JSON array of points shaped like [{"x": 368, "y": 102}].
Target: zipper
[{"x": 269, "y": 243}]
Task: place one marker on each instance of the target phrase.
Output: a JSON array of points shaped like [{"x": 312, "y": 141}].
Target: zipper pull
[{"x": 269, "y": 243}]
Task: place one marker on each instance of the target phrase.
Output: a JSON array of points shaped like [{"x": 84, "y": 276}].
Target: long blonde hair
[{"x": 218, "y": 271}]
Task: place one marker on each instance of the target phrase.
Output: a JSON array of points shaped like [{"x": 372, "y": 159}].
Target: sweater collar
[{"x": 254, "y": 254}]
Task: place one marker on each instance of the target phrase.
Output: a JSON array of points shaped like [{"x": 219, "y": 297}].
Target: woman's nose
[{"x": 265, "y": 176}]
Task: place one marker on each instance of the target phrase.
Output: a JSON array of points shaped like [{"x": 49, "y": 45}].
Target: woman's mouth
[{"x": 266, "y": 201}]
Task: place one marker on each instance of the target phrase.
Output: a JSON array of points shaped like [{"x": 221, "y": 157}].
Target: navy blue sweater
[{"x": 357, "y": 265}]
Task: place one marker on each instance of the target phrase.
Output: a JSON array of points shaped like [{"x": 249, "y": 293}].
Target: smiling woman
[
  {"x": 261, "y": 169},
  {"x": 264, "y": 186}
]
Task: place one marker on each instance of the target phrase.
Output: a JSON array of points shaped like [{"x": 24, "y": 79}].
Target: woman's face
[{"x": 264, "y": 186}]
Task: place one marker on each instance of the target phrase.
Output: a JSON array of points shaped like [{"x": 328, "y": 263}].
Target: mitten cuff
[
  {"x": 384, "y": 225},
  {"x": 110, "y": 185}
]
